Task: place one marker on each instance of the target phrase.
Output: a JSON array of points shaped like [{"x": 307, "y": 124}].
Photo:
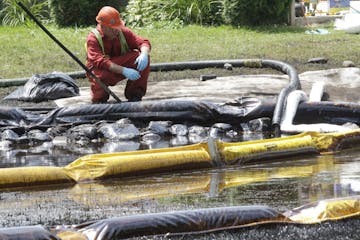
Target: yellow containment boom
[
  {"x": 30, "y": 176},
  {"x": 324, "y": 210},
  {"x": 232, "y": 153},
  {"x": 202, "y": 155},
  {"x": 126, "y": 163}
]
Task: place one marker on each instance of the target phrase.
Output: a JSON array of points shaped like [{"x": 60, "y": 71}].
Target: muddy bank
[{"x": 239, "y": 82}]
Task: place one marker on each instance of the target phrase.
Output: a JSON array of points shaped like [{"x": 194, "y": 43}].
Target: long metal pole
[{"x": 106, "y": 89}]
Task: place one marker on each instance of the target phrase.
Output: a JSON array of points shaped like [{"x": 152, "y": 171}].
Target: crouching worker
[{"x": 115, "y": 53}]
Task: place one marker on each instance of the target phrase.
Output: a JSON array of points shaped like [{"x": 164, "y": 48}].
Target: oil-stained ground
[{"x": 340, "y": 84}]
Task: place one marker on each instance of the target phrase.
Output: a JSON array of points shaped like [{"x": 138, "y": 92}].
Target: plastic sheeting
[
  {"x": 44, "y": 87},
  {"x": 26, "y": 233},
  {"x": 176, "y": 111},
  {"x": 216, "y": 219},
  {"x": 203, "y": 112},
  {"x": 179, "y": 222}
]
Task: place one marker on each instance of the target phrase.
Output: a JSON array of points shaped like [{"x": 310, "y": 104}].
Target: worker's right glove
[
  {"x": 130, "y": 74},
  {"x": 142, "y": 61}
]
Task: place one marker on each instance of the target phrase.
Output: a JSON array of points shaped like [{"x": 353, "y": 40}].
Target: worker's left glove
[
  {"x": 131, "y": 74},
  {"x": 142, "y": 61}
]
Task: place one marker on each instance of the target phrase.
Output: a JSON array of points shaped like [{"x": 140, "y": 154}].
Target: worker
[
  {"x": 307, "y": 6},
  {"x": 114, "y": 53},
  {"x": 314, "y": 4},
  {"x": 300, "y": 11},
  {"x": 299, "y": 8}
]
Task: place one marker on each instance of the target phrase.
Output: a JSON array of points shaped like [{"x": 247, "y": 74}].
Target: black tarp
[
  {"x": 44, "y": 87},
  {"x": 178, "y": 111},
  {"x": 179, "y": 222}
]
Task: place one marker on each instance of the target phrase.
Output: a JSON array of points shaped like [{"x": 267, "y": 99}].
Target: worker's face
[{"x": 109, "y": 32}]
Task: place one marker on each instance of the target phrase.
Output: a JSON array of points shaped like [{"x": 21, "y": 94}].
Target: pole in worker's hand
[{"x": 106, "y": 89}]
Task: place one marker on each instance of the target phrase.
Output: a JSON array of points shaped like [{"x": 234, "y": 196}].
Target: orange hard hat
[{"x": 110, "y": 17}]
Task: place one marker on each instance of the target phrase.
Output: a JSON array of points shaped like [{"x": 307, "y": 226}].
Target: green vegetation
[
  {"x": 208, "y": 12},
  {"x": 68, "y": 13},
  {"x": 202, "y": 12},
  {"x": 28, "y": 50},
  {"x": 256, "y": 13},
  {"x": 12, "y": 15},
  {"x": 79, "y": 12}
]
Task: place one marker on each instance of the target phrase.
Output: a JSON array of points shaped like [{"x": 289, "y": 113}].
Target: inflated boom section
[
  {"x": 126, "y": 163},
  {"x": 30, "y": 176},
  {"x": 233, "y": 153},
  {"x": 198, "y": 221},
  {"x": 202, "y": 155}
]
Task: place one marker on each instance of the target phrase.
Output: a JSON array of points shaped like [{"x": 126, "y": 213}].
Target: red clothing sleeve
[{"x": 95, "y": 56}]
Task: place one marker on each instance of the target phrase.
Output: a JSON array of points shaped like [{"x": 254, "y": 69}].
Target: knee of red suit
[{"x": 134, "y": 90}]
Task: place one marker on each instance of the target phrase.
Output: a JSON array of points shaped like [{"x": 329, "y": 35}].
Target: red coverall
[{"x": 100, "y": 64}]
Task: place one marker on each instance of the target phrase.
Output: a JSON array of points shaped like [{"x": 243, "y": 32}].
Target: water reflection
[
  {"x": 120, "y": 146},
  {"x": 281, "y": 184},
  {"x": 61, "y": 152},
  {"x": 297, "y": 182}
]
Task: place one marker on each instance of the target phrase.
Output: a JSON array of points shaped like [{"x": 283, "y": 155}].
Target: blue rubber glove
[
  {"x": 142, "y": 61},
  {"x": 131, "y": 74}
]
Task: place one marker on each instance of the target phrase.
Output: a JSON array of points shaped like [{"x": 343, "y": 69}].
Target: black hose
[
  {"x": 253, "y": 63},
  {"x": 281, "y": 100}
]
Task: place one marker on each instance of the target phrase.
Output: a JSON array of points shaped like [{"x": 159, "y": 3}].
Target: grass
[{"x": 27, "y": 50}]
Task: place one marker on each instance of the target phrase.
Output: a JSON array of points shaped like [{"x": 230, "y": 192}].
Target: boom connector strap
[{"x": 214, "y": 152}]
